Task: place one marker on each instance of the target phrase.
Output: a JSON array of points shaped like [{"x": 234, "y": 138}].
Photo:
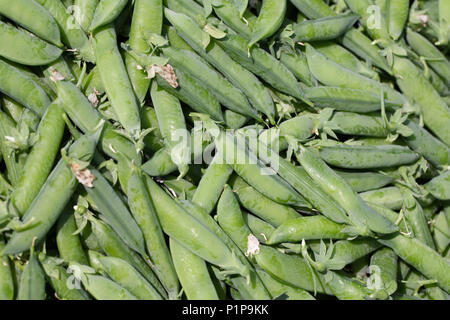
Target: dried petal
[
  {"x": 252, "y": 246},
  {"x": 85, "y": 177}
]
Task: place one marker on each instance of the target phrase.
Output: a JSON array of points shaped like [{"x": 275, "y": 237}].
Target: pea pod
[
  {"x": 85, "y": 12},
  {"x": 367, "y": 157},
  {"x": 439, "y": 187},
  {"x": 29, "y": 94},
  {"x": 71, "y": 33},
  {"x": 115, "y": 79},
  {"x": 397, "y": 16},
  {"x": 56, "y": 193},
  {"x": 193, "y": 273},
  {"x": 32, "y": 17},
  {"x": 270, "y": 18},
  {"x": 6, "y": 276},
  {"x": 365, "y": 181},
  {"x": 102, "y": 288},
  {"x": 387, "y": 263},
  {"x": 106, "y": 11},
  {"x": 324, "y": 29},
  {"x": 240, "y": 77},
  {"x": 278, "y": 288},
  {"x": 441, "y": 233},
  {"x": 297, "y": 64},
  {"x": 32, "y": 281}
]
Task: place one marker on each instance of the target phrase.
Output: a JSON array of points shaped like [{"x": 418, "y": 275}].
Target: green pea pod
[
  {"x": 444, "y": 22},
  {"x": 71, "y": 33},
  {"x": 397, "y": 16},
  {"x": 160, "y": 164},
  {"x": 172, "y": 125},
  {"x": 113, "y": 246},
  {"x": 261, "y": 229},
  {"x": 193, "y": 273},
  {"x": 33, "y": 17},
  {"x": 423, "y": 142},
  {"x": 262, "y": 64},
  {"x": 345, "y": 288},
  {"x": 270, "y": 18},
  {"x": 60, "y": 280},
  {"x": 6, "y": 276},
  {"x": 240, "y": 77},
  {"x": 361, "y": 215},
  {"x": 227, "y": 12},
  {"x": 435, "y": 112},
  {"x": 211, "y": 185},
  {"x": 434, "y": 58},
  {"x": 365, "y": 181},
  {"x": 441, "y": 233},
  {"x": 308, "y": 228},
  {"x": 32, "y": 281},
  {"x": 234, "y": 120},
  {"x": 16, "y": 45},
  {"x": 349, "y": 123},
  {"x": 439, "y": 187},
  {"x": 41, "y": 158},
  {"x": 261, "y": 206},
  {"x": 145, "y": 215},
  {"x": 188, "y": 231},
  {"x": 115, "y": 79},
  {"x": 377, "y": 29},
  {"x": 387, "y": 263},
  {"x": 87, "y": 118},
  {"x": 106, "y": 12},
  {"x": 217, "y": 85},
  {"x": 52, "y": 198},
  {"x": 129, "y": 278},
  {"x": 69, "y": 245},
  {"x": 154, "y": 140},
  {"x": 84, "y": 13},
  {"x": 102, "y": 288},
  {"x": 138, "y": 78},
  {"x": 182, "y": 187},
  {"x": 421, "y": 257},
  {"x": 193, "y": 94},
  {"x": 297, "y": 64},
  {"x": 313, "y": 9},
  {"x": 324, "y": 29},
  {"x": 367, "y": 157},
  {"x": 251, "y": 169},
  {"x": 175, "y": 40},
  {"x": 279, "y": 289},
  {"x": 29, "y": 93}
]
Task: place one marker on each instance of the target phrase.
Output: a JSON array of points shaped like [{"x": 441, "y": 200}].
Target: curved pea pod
[
  {"x": 331, "y": 73},
  {"x": 21, "y": 47},
  {"x": 60, "y": 280},
  {"x": 87, "y": 118},
  {"x": 397, "y": 16},
  {"x": 308, "y": 228},
  {"x": 441, "y": 232},
  {"x": 85, "y": 12},
  {"x": 102, "y": 288},
  {"x": 261, "y": 229},
  {"x": 160, "y": 164},
  {"x": 263, "y": 207},
  {"x": 69, "y": 244},
  {"x": 193, "y": 273},
  {"x": 41, "y": 158},
  {"x": 145, "y": 215},
  {"x": 415, "y": 86},
  {"x": 367, "y": 157},
  {"x": 189, "y": 232},
  {"x": 324, "y": 29},
  {"x": 138, "y": 78},
  {"x": 71, "y": 33},
  {"x": 365, "y": 181},
  {"x": 389, "y": 197},
  {"x": 262, "y": 64},
  {"x": 439, "y": 187},
  {"x": 217, "y": 85},
  {"x": 444, "y": 22},
  {"x": 423, "y": 142},
  {"x": 361, "y": 215},
  {"x": 211, "y": 185},
  {"x": 6, "y": 276},
  {"x": 154, "y": 140},
  {"x": 270, "y": 18},
  {"x": 300, "y": 127},
  {"x": 421, "y": 257},
  {"x": 147, "y": 18},
  {"x": 346, "y": 99},
  {"x": 107, "y": 11},
  {"x": 345, "y": 288},
  {"x": 435, "y": 58},
  {"x": 193, "y": 94},
  {"x": 277, "y": 288},
  {"x": 386, "y": 262},
  {"x": 313, "y": 9},
  {"x": 32, "y": 280},
  {"x": 129, "y": 278},
  {"x": 172, "y": 125},
  {"x": 188, "y": 7},
  {"x": 377, "y": 30},
  {"x": 251, "y": 169},
  {"x": 297, "y": 64},
  {"x": 238, "y": 75},
  {"x": 290, "y": 269},
  {"x": 115, "y": 79},
  {"x": 52, "y": 198},
  {"x": 355, "y": 124},
  {"x": 32, "y": 17},
  {"x": 344, "y": 57},
  {"x": 29, "y": 94}
]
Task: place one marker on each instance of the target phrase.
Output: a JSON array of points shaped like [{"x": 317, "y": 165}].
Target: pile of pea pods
[{"x": 224, "y": 149}]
